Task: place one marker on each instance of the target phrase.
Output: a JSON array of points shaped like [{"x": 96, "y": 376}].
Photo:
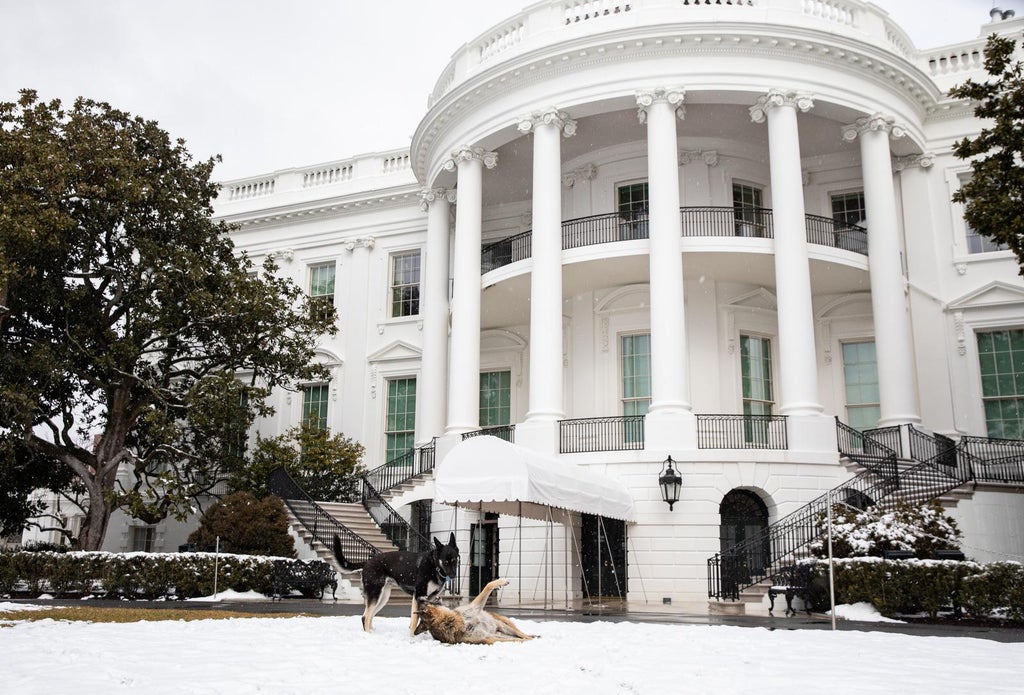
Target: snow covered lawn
[{"x": 333, "y": 655}]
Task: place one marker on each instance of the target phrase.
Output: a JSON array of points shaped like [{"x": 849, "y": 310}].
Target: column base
[
  {"x": 812, "y": 433},
  {"x": 538, "y": 435},
  {"x": 670, "y": 431}
]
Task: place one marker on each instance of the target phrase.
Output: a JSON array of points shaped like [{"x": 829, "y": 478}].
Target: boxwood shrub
[{"x": 145, "y": 575}]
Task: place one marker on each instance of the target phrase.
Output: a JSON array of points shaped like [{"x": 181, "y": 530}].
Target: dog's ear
[
  {"x": 451, "y": 540},
  {"x": 437, "y": 543}
]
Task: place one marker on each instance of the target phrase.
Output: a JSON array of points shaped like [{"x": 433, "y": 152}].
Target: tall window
[
  {"x": 405, "y": 284},
  {"x": 399, "y": 431},
  {"x": 860, "y": 374},
  {"x": 634, "y": 203},
  {"x": 321, "y": 288},
  {"x": 756, "y": 368},
  {"x": 636, "y": 380},
  {"x": 314, "y": 405},
  {"x": 748, "y": 210},
  {"x": 1001, "y": 358},
  {"x": 495, "y": 398},
  {"x": 848, "y": 208}
]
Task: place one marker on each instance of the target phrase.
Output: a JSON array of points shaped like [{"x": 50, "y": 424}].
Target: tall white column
[
  {"x": 669, "y": 378},
  {"x": 893, "y": 346},
  {"x": 798, "y": 366},
  {"x": 546, "y": 400},
  {"x": 432, "y": 387},
  {"x": 464, "y": 375}
]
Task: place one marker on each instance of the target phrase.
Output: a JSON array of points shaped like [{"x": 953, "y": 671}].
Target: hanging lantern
[{"x": 670, "y": 482}]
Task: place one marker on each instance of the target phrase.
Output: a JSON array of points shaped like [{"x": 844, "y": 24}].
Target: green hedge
[
  {"x": 141, "y": 575},
  {"x": 905, "y": 587}
]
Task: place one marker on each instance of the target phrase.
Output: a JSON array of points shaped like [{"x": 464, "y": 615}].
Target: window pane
[
  {"x": 495, "y": 398},
  {"x": 401, "y": 417},
  {"x": 636, "y": 373},
  {"x": 405, "y": 284},
  {"x": 848, "y": 208},
  {"x": 860, "y": 373},
  {"x": 756, "y": 372},
  {"x": 1001, "y": 363},
  {"x": 314, "y": 405}
]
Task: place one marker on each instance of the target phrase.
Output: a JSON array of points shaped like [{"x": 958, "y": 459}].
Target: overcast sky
[{"x": 273, "y": 84}]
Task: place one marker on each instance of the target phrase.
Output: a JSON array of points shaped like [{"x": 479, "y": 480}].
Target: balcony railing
[
  {"x": 506, "y": 432},
  {"x": 742, "y": 432},
  {"x": 696, "y": 222},
  {"x": 623, "y": 433}
]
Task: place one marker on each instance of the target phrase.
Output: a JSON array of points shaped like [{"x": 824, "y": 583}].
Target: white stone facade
[{"x": 544, "y": 119}]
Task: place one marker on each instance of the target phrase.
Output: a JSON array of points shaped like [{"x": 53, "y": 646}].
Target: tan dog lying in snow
[{"x": 469, "y": 624}]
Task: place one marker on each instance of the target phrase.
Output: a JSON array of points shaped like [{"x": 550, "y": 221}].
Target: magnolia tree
[{"x": 136, "y": 344}]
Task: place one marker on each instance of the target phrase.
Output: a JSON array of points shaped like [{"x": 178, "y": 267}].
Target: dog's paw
[{"x": 502, "y": 582}]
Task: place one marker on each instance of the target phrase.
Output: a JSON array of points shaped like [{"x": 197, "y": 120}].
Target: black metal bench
[
  {"x": 311, "y": 579},
  {"x": 792, "y": 582}
]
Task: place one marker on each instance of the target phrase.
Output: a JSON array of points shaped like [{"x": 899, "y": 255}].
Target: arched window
[{"x": 744, "y": 518}]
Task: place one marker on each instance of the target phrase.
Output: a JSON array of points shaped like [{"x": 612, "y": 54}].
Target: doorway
[
  {"x": 603, "y": 557},
  {"x": 483, "y": 555}
]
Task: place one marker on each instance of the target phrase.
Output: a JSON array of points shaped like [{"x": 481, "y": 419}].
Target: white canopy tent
[{"x": 491, "y": 475}]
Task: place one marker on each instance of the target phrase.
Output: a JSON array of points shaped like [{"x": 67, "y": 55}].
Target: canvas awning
[{"x": 491, "y": 475}]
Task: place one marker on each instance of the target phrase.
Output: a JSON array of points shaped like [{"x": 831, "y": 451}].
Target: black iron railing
[
  {"x": 506, "y": 432},
  {"x": 994, "y": 460},
  {"x": 398, "y": 470},
  {"x": 742, "y": 432},
  {"x": 318, "y": 522},
  {"x": 391, "y": 523},
  {"x": 696, "y": 222},
  {"x": 623, "y": 433},
  {"x": 890, "y": 436},
  {"x": 826, "y": 231},
  {"x": 770, "y": 552}
]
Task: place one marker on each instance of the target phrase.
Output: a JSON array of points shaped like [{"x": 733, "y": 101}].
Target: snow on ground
[
  {"x": 862, "y": 611},
  {"x": 334, "y": 655},
  {"x": 232, "y": 595}
]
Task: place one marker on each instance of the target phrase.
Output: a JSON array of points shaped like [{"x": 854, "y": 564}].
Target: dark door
[
  {"x": 603, "y": 555},
  {"x": 743, "y": 542},
  {"x": 483, "y": 557}
]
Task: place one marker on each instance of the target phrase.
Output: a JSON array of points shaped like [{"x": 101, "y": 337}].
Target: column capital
[
  {"x": 431, "y": 195},
  {"x": 468, "y": 153},
  {"x": 672, "y": 95},
  {"x": 587, "y": 172},
  {"x": 922, "y": 161},
  {"x": 779, "y": 97},
  {"x": 872, "y": 123},
  {"x": 551, "y": 116}
]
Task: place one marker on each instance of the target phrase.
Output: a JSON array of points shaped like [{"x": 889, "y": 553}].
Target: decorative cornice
[
  {"x": 874, "y": 122},
  {"x": 469, "y": 153},
  {"x": 672, "y": 95},
  {"x": 283, "y": 254},
  {"x": 587, "y": 172},
  {"x": 922, "y": 161},
  {"x": 779, "y": 97},
  {"x": 431, "y": 195},
  {"x": 709, "y": 157},
  {"x": 551, "y": 116},
  {"x": 961, "y": 333}
]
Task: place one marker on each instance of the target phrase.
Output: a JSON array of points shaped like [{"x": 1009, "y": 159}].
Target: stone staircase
[{"x": 354, "y": 517}]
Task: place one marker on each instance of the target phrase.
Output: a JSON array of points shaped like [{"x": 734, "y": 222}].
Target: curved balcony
[{"x": 696, "y": 222}]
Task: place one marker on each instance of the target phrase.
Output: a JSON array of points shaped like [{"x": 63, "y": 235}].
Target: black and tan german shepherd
[{"x": 421, "y": 575}]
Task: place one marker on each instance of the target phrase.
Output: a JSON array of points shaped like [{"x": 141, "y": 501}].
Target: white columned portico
[
  {"x": 670, "y": 423},
  {"x": 546, "y": 398},
  {"x": 896, "y": 388},
  {"x": 464, "y": 375},
  {"x": 432, "y": 388},
  {"x": 798, "y": 370}
]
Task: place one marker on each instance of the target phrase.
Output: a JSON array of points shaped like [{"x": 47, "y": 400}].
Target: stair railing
[
  {"x": 412, "y": 463},
  {"x": 753, "y": 560},
  {"x": 399, "y": 531},
  {"x": 316, "y": 520},
  {"x": 994, "y": 460}
]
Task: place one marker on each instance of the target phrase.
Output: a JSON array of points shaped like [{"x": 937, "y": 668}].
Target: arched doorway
[{"x": 744, "y": 519}]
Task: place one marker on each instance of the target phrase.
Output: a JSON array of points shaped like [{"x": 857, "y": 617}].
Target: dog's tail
[{"x": 345, "y": 564}]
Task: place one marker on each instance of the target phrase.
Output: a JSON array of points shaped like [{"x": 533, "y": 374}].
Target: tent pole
[
  {"x": 565, "y": 553},
  {"x": 520, "y": 532}
]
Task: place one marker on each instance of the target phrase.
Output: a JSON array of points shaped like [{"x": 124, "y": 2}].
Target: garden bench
[
  {"x": 795, "y": 582},
  {"x": 311, "y": 579}
]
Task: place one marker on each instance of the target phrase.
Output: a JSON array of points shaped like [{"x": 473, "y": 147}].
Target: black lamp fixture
[{"x": 670, "y": 482}]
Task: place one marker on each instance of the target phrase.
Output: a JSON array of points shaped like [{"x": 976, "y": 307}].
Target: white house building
[{"x": 628, "y": 231}]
